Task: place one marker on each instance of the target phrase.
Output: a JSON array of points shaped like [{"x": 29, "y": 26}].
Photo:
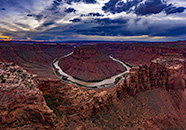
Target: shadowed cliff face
[{"x": 89, "y": 64}]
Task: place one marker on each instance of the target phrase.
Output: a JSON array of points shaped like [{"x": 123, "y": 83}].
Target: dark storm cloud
[
  {"x": 155, "y": 29},
  {"x": 150, "y": 7},
  {"x": 117, "y": 6},
  {"x": 38, "y": 17},
  {"x": 70, "y": 10},
  {"x": 92, "y": 14},
  {"x": 85, "y": 1},
  {"x": 157, "y": 6},
  {"x": 76, "y": 20},
  {"x": 55, "y": 5},
  {"x": 179, "y": 30},
  {"x": 106, "y": 21},
  {"x": 147, "y": 8},
  {"x": 172, "y": 10},
  {"x": 29, "y": 15},
  {"x": 113, "y": 30},
  {"x": 48, "y": 23},
  {"x": 106, "y": 27}
]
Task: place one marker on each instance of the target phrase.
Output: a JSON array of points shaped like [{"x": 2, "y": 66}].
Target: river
[{"x": 90, "y": 84}]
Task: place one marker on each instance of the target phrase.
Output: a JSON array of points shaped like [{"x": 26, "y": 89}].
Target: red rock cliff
[{"x": 167, "y": 72}]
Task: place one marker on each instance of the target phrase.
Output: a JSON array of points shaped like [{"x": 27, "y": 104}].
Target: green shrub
[
  {"x": 19, "y": 71},
  {"x": 3, "y": 81},
  {"x": 117, "y": 80},
  {"x": 2, "y": 76},
  {"x": 64, "y": 77}
]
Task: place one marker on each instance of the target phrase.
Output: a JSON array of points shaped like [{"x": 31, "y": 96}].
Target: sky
[{"x": 111, "y": 20}]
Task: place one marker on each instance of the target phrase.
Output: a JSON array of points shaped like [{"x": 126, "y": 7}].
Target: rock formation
[
  {"x": 89, "y": 64},
  {"x": 166, "y": 72},
  {"x": 21, "y": 103},
  {"x": 140, "y": 102}
]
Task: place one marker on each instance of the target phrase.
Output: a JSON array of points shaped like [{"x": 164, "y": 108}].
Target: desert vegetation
[{"x": 13, "y": 75}]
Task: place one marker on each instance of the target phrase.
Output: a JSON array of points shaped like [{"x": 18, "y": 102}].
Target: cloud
[
  {"x": 172, "y": 10},
  {"x": 155, "y": 7},
  {"x": 92, "y": 14},
  {"x": 85, "y": 1},
  {"x": 70, "y": 10},
  {"x": 150, "y": 7},
  {"x": 68, "y": 19},
  {"x": 38, "y": 17},
  {"x": 178, "y": 30},
  {"x": 29, "y": 15},
  {"x": 112, "y": 30},
  {"x": 48, "y": 23},
  {"x": 5, "y": 38},
  {"x": 76, "y": 20},
  {"x": 56, "y": 3},
  {"x": 141, "y": 7},
  {"x": 23, "y": 25},
  {"x": 117, "y": 6},
  {"x": 106, "y": 21}
]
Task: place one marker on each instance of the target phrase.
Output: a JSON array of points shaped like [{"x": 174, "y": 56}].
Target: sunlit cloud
[{"x": 5, "y": 38}]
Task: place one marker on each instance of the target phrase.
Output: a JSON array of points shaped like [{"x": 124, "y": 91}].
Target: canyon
[
  {"x": 153, "y": 97},
  {"x": 87, "y": 63}
]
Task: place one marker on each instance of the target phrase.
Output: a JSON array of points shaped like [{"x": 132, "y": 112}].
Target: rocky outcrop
[
  {"x": 166, "y": 72},
  {"x": 88, "y": 63},
  {"x": 81, "y": 101},
  {"x": 21, "y": 103},
  {"x": 156, "y": 94},
  {"x": 74, "y": 104}
]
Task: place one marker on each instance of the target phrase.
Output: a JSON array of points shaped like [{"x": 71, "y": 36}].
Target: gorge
[
  {"x": 97, "y": 80},
  {"x": 153, "y": 97}
]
